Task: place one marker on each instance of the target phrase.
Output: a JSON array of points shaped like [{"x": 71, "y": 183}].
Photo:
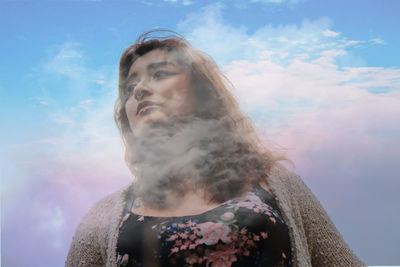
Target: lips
[{"x": 145, "y": 105}]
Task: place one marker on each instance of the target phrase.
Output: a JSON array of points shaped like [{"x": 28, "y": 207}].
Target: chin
[{"x": 149, "y": 121}]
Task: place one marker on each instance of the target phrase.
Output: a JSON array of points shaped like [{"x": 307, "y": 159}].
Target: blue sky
[
  {"x": 34, "y": 29},
  {"x": 319, "y": 78}
]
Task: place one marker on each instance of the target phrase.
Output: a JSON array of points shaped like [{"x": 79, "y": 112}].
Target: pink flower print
[
  {"x": 190, "y": 223},
  {"x": 222, "y": 257},
  {"x": 123, "y": 260},
  {"x": 243, "y": 231},
  {"x": 244, "y": 238},
  {"x": 174, "y": 250},
  {"x": 212, "y": 232},
  {"x": 252, "y": 197},
  {"x": 192, "y": 259},
  {"x": 181, "y": 225},
  {"x": 192, "y": 237},
  {"x": 178, "y": 243},
  {"x": 196, "y": 231},
  {"x": 124, "y": 219},
  {"x": 245, "y": 204},
  {"x": 264, "y": 235},
  {"x": 262, "y": 207},
  {"x": 272, "y": 219},
  {"x": 192, "y": 246},
  {"x": 256, "y": 238},
  {"x": 246, "y": 252},
  {"x": 227, "y": 216},
  {"x": 173, "y": 237},
  {"x": 234, "y": 237},
  {"x": 185, "y": 245},
  {"x": 251, "y": 243},
  {"x": 184, "y": 235}
]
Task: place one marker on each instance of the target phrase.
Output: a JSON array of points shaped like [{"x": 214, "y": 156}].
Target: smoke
[{"x": 192, "y": 154}]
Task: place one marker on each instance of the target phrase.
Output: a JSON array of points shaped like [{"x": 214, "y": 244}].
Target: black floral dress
[{"x": 246, "y": 231}]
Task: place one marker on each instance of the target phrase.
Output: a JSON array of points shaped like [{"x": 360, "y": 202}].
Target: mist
[{"x": 196, "y": 153}]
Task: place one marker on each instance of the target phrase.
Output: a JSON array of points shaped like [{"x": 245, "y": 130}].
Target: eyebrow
[
  {"x": 160, "y": 64},
  {"x": 151, "y": 66}
]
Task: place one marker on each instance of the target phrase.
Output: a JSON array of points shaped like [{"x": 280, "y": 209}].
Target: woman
[{"x": 206, "y": 192}]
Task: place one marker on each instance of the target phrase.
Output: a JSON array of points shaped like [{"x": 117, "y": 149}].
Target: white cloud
[
  {"x": 329, "y": 33},
  {"x": 242, "y": 3},
  {"x": 187, "y": 2},
  {"x": 350, "y": 42},
  {"x": 268, "y": 1},
  {"x": 340, "y": 124},
  {"x": 81, "y": 132},
  {"x": 290, "y": 71},
  {"x": 286, "y": 79},
  {"x": 99, "y": 82},
  {"x": 180, "y": 2},
  {"x": 225, "y": 43},
  {"x": 377, "y": 41},
  {"x": 67, "y": 62}
]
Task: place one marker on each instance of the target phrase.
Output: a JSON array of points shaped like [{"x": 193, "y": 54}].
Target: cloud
[
  {"x": 329, "y": 33},
  {"x": 78, "y": 159},
  {"x": 377, "y": 41},
  {"x": 67, "y": 62},
  {"x": 281, "y": 43},
  {"x": 339, "y": 124},
  {"x": 243, "y": 4},
  {"x": 171, "y": 2}
]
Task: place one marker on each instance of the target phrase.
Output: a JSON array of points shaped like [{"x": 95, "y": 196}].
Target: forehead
[{"x": 154, "y": 56}]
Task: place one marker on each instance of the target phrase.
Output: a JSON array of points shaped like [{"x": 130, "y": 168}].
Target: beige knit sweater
[{"x": 315, "y": 241}]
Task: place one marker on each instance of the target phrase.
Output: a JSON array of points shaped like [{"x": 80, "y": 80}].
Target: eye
[
  {"x": 130, "y": 89},
  {"x": 162, "y": 73}
]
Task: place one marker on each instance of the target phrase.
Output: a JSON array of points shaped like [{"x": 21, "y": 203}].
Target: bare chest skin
[{"x": 190, "y": 204}]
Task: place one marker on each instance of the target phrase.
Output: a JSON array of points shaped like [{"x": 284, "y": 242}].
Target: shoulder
[
  {"x": 292, "y": 190},
  {"x": 283, "y": 179},
  {"x": 99, "y": 214},
  {"x": 90, "y": 241},
  {"x": 96, "y": 222}
]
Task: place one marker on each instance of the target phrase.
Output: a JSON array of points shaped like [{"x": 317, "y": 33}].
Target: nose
[{"x": 142, "y": 91}]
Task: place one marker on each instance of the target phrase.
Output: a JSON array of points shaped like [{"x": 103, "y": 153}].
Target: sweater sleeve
[
  {"x": 326, "y": 246},
  {"x": 85, "y": 249}
]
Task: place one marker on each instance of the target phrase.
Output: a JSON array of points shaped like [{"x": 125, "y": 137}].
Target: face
[{"x": 160, "y": 89}]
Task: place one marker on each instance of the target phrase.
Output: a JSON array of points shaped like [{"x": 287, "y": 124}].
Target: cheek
[
  {"x": 182, "y": 96},
  {"x": 130, "y": 108},
  {"x": 181, "y": 102}
]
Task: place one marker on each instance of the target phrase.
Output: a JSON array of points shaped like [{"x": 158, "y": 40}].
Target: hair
[{"x": 214, "y": 101}]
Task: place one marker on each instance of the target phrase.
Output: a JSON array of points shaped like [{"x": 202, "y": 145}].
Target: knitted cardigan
[{"x": 314, "y": 239}]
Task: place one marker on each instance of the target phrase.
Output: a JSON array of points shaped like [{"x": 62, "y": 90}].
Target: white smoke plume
[{"x": 196, "y": 153}]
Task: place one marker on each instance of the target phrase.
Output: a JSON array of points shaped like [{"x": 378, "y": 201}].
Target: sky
[{"x": 320, "y": 80}]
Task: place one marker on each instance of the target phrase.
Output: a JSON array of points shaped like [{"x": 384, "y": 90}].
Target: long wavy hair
[{"x": 214, "y": 101}]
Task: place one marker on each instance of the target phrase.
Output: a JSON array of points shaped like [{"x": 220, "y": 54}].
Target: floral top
[{"x": 246, "y": 231}]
